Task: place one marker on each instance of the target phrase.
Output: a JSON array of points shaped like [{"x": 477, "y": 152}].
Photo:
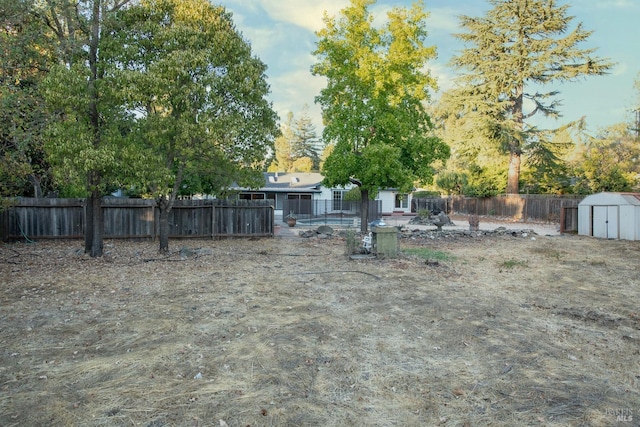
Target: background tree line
[{"x": 164, "y": 97}]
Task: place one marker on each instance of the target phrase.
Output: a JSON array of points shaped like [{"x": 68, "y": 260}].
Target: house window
[
  {"x": 337, "y": 200},
  {"x": 402, "y": 201},
  {"x": 251, "y": 196}
]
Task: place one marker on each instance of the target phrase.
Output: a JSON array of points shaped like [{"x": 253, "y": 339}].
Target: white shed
[{"x": 610, "y": 216}]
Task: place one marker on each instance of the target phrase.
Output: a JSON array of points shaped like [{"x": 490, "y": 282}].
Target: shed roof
[{"x": 611, "y": 199}]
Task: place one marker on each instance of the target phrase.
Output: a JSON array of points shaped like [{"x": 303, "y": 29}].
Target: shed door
[{"x": 605, "y": 222}]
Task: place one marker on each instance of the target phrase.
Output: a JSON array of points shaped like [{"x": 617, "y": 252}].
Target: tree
[
  {"x": 305, "y": 141},
  {"x": 295, "y": 148},
  {"x": 283, "y": 156},
  {"x": 373, "y": 104},
  {"x": 608, "y": 162},
  {"x": 85, "y": 134},
  {"x": 518, "y": 45},
  {"x": 199, "y": 96},
  {"x": 27, "y": 54}
]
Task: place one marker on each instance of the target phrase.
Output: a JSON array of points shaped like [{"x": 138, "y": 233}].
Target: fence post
[{"x": 213, "y": 221}]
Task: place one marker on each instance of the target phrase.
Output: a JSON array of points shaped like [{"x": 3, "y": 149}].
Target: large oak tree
[
  {"x": 199, "y": 94},
  {"x": 85, "y": 132}
]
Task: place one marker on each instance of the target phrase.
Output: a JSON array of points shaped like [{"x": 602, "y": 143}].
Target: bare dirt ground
[{"x": 494, "y": 329}]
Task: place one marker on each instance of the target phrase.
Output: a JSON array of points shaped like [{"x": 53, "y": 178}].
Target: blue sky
[{"x": 282, "y": 34}]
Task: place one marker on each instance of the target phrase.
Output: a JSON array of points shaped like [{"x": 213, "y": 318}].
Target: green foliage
[
  {"x": 305, "y": 141},
  {"x": 202, "y": 120},
  {"x": 296, "y": 147},
  {"x": 477, "y": 182},
  {"x": 425, "y": 193},
  {"x": 283, "y": 160},
  {"x": 373, "y": 105},
  {"x": 451, "y": 182},
  {"x": 609, "y": 162},
  {"x": 72, "y": 144},
  {"x": 27, "y": 52},
  {"x": 424, "y": 213},
  {"x": 352, "y": 195},
  {"x": 518, "y": 43},
  {"x": 199, "y": 93}
]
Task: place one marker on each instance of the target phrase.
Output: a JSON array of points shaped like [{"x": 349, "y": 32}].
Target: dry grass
[{"x": 289, "y": 332}]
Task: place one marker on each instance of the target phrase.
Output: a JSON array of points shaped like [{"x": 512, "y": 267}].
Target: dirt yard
[{"x": 497, "y": 329}]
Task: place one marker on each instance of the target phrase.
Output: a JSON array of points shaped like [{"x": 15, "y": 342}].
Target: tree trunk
[
  {"x": 37, "y": 188},
  {"x": 94, "y": 227},
  {"x": 515, "y": 143},
  {"x": 88, "y": 224},
  {"x": 98, "y": 224},
  {"x": 364, "y": 210},
  {"x": 513, "y": 177},
  {"x": 165, "y": 207},
  {"x": 95, "y": 198}
]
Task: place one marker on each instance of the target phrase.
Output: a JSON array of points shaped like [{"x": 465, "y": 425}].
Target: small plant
[
  {"x": 511, "y": 263},
  {"x": 352, "y": 242},
  {"x": 424, "y": 213}
]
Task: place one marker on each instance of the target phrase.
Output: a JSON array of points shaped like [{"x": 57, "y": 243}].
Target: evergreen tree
[
  {"x": 305, "y": 139},
  {"x": 295, "y": 148},
  {"x": 518, "y": 46}
]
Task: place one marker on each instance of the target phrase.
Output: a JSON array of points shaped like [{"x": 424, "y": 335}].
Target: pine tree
[
  {"x": 305, "y": 139},
  {"x": 518, "y": 45}
]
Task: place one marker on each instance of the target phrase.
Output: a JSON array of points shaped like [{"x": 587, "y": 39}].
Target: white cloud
[
  {"x": 610, "y": 4},
  {"x": 443, "y": 18},
  {"x": 291, "y": 91},
  {"x": 622, "y": 4},
  {"x": 304, "y": 13},
  {"x": 443, "y": 75}
]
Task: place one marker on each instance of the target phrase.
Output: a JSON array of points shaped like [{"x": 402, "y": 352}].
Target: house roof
[{"x": 294, "y": 182}]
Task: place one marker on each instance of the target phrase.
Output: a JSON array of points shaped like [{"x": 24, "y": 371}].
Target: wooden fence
[
  {"x": 137, "y": 218},
  {"x": 527, "y": 207}
]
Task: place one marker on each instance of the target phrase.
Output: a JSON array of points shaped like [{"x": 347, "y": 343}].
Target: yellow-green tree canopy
[{"x": 374, "y": 102}]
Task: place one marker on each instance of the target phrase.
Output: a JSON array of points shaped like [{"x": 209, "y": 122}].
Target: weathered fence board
[
  {"x": 54, "y": 218},
  {"x": 137, "y": 218},
  {"x": 129, "y": 218},
  {"x": 528, "y": 207},
  {"x": 569, "y": 219}
]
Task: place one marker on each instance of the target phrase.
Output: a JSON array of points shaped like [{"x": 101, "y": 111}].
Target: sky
[{"x": 282, "y": 35}]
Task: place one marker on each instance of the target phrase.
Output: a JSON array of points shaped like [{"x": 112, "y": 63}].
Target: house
[
  {"x": 303, "y": 194},
  {"x": 610, "y": 216}
]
